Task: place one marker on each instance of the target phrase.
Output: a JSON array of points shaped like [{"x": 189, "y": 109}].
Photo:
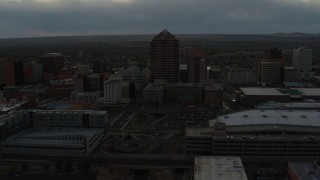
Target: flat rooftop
[
  {"x": 305, "y": 170},
  {"x": 273, "y": 117},
  {"x": 56, "y": 136},
  {"x": 258, "y": 91},
  {"x": 39, "y": 111},
  {"x": 263, "y": 91},
  {"x": 218, "y": 168}
]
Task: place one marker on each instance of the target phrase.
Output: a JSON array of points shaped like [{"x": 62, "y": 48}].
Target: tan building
[
  {"x": 290, "y": 74},
  {"x": 270, "y": 72},
  {"x": 252, "y": 96}
]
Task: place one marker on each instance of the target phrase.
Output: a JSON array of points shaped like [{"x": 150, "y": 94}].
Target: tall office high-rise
[
  {"x": 165, "y": 57},
  {"x": 271, "y": 71},
  {"x": 52, "y": 63},
  {"x": 302, "y": 62},
  {"x": 32, "y": 72},
  {"x": 197, "y": 66},
  {"x": 14, "y": 72}
]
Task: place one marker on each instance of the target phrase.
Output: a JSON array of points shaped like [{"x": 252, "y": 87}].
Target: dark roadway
[{"x": 178, "y": 161}]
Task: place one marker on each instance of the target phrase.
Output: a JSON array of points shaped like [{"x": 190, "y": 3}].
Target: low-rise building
[
  {"x": 118, "y": 93},
  {"x": 68, "y": 118},
  {"x": 84, "y": 97},
  {"x": 220, "y": 168},
  {"x": 253, "y": 96},
  {"x": 304, "y": 170},
  {"x": 153, "y": 96},
  {"x": 55, "y": 141},
  {"x": 242, "y": 77},
  {"x": 184, "y": 91},
  {"x": 290, "y": 74},
  {"x": 11, "y": 123},
  {"x": 112, "y": 91},
  {"x": 214, "y": 96},
  {"x": 258, "y": 133}
]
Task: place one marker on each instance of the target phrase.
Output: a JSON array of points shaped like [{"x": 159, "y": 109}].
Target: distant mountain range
[{"x": 141, "y": 38}]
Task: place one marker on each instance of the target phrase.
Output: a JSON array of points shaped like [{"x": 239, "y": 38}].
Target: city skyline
[{"x": 38, "y": 18}]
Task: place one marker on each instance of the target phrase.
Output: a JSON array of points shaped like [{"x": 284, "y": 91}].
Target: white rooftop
[
  {"x": 218, "y": 168},
  {"x": 274, "y": 117},
  {"x": 261, "y": 91},
  {"x": 276, "y": 91}
]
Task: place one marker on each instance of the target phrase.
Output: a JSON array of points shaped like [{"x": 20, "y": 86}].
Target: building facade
[
  {"x": 242, "y": 77},
  {"x": 302, "y": 61},
  {"x": 14, "y": 72},
  {"x": 270, "y": 72},
  {"x": 112, "y": 91},
  {"x": 258, "y": 133},
  {"x": 197, "y": 66},
  {"x": 68, "y": 118},
  {"x": 290, "y": 74},
  {"x": 52, "y": 63},
  {"x": 32, "y": 73},
  {"x": 165, "y": 57}
]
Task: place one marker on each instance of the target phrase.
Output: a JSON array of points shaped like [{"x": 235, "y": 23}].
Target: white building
[
  {"x": 242, "y": 77},
  {"x": 302, "y": 61},
  {"x": 112, "y": 91}
]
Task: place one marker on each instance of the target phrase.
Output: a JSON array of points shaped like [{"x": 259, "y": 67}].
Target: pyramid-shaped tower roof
[{"x": 164, "y": 35}]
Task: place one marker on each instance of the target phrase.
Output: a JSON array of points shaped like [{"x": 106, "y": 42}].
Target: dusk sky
[{"x": 34, "y": 18}]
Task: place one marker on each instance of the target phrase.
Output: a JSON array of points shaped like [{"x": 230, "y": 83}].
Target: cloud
[{"x": 25, "y": 18}]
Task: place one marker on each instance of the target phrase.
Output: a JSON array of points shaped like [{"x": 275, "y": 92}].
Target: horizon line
[{"x": 149, "y": 34}]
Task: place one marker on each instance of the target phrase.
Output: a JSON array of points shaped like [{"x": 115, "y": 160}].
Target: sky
[{"x": 38, "y": 18}]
